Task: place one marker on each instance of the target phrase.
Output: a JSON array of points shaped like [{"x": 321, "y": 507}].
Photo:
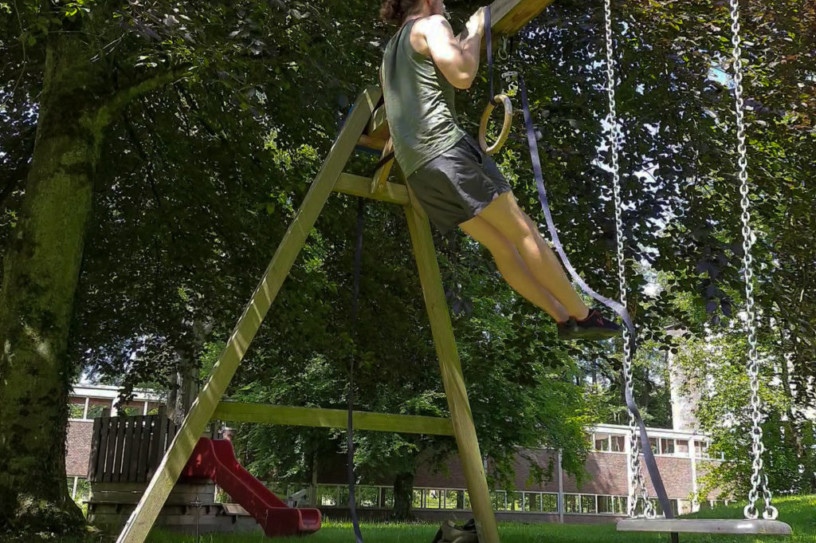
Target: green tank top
[{"x": 419, "y": 104}]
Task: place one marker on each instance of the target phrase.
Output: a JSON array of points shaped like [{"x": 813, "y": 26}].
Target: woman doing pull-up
[{"x": 449, "y": 175}]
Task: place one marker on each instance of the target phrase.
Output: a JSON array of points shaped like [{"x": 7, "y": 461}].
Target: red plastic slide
[{"x": 215, "y": 460}]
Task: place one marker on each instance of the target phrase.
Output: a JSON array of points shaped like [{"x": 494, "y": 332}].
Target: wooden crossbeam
[
  {"x": 331, "y": 418},
  {"x": 509, "y": 16},
  {"x": 357, "y": 185}
]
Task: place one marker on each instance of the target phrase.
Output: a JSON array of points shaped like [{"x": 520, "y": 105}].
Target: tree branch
[
  {"x": 108, "y": 111},
  {"x": 7, "y": 190}
]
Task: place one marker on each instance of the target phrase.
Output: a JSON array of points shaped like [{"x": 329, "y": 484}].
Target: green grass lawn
[{"x": 799, "y": 512}]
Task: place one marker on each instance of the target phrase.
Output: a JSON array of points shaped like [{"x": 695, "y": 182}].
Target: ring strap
[{"x": 648, "y": 454}]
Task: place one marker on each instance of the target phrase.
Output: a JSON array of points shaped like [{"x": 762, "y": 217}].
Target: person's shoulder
[{"x": 433, "y": 23}]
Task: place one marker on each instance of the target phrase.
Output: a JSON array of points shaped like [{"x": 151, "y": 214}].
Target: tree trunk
[
  {"x": 184, "y": 391},
  {"x": 403, "y": 496},
  {"x": 187, "y": 386},
  {"x": 40, "y": 278}
]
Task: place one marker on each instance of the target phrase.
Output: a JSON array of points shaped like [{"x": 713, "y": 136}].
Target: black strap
[
  {"x": 382, "y": 162},
  {"x": 489, "y": 43},
  {"x": 648, "y": 455},
  {"x": 358, "y": 259}
]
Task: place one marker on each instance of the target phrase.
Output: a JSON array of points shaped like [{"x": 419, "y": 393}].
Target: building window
[
  {"x": 499, "y": 500},
  {"x": 366, "y": 496},
  {"x": 540, "y": 502},
  {"x": 433, "y": 498},
  {"x": 416, "y": 503},
  {"x": 601, "y": 442},
  {"x": 667, "y": 446},
  {"x": 515, "y": 501},
  {"x": 572, "y": 503},
  {"x": 342, "y": 496},
  {"x": 618, "y": 443},
  {"x": 659, "y": 509},
  {"x": 130, "y": 410},
  {"x": 388, "y": 498},
  {"x": 532, "y": 501},
  {"x": 612, "y": 505},
  {"x": 549, "y": 503},
  {"x": 454, "y": 499},
  {"x": 76, "y": 411},
  {"x": 96, "y": 408},
  {"x": 327, "y": 496},
  {"x": 588, "y": 504}
]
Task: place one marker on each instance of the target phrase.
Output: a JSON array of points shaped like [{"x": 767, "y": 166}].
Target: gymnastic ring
[{"x": 505, "y": 131}]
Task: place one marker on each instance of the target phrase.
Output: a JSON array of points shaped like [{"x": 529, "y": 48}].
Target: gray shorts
[{"x": 455, "y": 186}]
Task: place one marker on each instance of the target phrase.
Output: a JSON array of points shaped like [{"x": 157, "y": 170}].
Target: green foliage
[{"x": 715, "y": 369}]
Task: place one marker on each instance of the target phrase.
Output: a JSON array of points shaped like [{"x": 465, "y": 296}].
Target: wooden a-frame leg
[
  {"x": 151, "y": 503},
  {"x": 452, "y": 378}
]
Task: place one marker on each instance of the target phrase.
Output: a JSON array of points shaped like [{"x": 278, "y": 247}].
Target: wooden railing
[{"x": 128, "y": 449}]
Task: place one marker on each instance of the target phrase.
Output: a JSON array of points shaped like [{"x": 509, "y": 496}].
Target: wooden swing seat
[{"x": 706, "y": 526}]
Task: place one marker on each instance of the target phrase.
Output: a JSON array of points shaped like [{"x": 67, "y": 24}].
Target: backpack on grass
[{"x": 450, "y": 533}]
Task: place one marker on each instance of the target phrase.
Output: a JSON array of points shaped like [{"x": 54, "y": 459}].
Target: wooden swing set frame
[{"x": 367, "y": 126}]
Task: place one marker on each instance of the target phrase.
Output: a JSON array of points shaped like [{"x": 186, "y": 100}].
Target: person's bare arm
[{"x": 456, "y": 58}]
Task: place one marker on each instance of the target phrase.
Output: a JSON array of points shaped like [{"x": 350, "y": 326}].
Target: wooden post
[
  {"x": 146, "y": 512},
  {"x": 119, "y": 455},
  {"x": 110, "y": 451},
  {"x": 131, "y": 450},
  {"x": 157, "y": 449},
  {"x": 95, "y": 442},
  {"x": 452, "y": 378}
]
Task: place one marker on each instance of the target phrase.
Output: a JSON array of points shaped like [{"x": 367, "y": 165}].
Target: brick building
[{"x": 681, "y": 455}]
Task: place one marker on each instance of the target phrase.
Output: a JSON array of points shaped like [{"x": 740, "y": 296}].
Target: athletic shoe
[{"x": 594, "y": 327}]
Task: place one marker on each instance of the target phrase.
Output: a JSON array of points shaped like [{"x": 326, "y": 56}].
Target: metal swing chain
[
  {"x": 637, "y": 483},
  {"x": 758, "y": 476}
]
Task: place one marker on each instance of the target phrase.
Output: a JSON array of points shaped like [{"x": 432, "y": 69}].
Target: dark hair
[{"x": 394, "y": 11}]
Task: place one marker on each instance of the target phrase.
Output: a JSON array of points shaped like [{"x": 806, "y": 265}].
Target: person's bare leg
[
  {"x": 512, "y": 268},
  {"x": 505, "y": 216}
]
